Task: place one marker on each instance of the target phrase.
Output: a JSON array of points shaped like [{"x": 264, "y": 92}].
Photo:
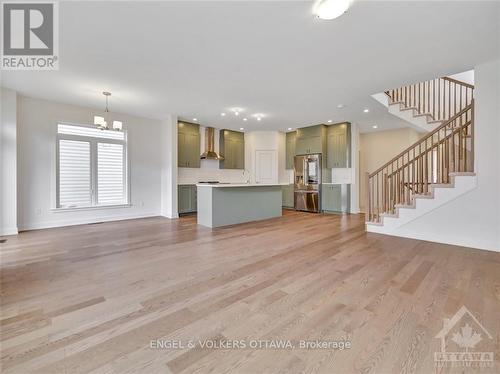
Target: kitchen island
[{"x": 231, "y": 203}]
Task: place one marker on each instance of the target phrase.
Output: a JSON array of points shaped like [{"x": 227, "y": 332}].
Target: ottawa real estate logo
[
  {"x": 465, "y": 342},
  {"x": 30, "y": 36}
]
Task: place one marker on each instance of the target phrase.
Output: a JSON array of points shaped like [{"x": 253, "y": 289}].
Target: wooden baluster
[
  {"x": 378, "y": 195},
  {"x": 453, "y": 164},
  {"x": 438, "y": 164},
  {"x": 439, "y": 99},
  {"x": 449, "y": 100},
  {"x": 471, "y": 136},
  {"x": 434, "y": 98},
  {"x": 426, "y": 169}
]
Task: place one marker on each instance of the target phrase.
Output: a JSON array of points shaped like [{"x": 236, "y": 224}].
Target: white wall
[
  {"x": 377, "y": 148},
  {"x": 466, "y": 76},
  {"x": 8, "y": 162},
  {"x": 355, "y": 179},
  {"x": 168, "y": 156},
  {"x": 473, "y": 220},
  {"x": 36, "y": 132}
]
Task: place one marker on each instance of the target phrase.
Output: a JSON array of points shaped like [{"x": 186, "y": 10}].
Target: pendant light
[{"x": 102, "y": 122}]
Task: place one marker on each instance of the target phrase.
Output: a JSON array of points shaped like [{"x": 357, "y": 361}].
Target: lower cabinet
[
  {"x": 331, "y": 197},
  {"x": 287, "y": 193},
  {"x": 187, "y": 198}
]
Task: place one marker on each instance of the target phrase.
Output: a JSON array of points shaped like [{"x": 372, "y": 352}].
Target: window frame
[{"x": 93, "y": 143}]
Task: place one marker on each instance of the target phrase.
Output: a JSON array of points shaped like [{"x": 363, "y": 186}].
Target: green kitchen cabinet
[
  {"x": 331, "y": 197},
  {"x": 338, "y": 146},
  {"x": 187, "y": 198},
  {"x": 232, "y": 147},
  {"x": 310, "y": 140},
  {"x": 188, "y": 145},
  {"x": 287, "y": 194},
  {"x": 290, "y": 149}
]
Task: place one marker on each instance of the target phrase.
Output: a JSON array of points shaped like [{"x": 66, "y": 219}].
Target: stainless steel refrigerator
[{"x": 307, "y": 183}]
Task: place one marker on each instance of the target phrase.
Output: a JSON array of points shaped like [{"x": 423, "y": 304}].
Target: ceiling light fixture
[
  {"x": 242, "y": 128},
  {"x": 102, "y": 121},
  {"x": 340, "y": 106},
  {"x": 329, "y": 121},
  {"x": 245, "y": 119},
  {"x": 330, "y": 9},
  {"x": 223, "y": 114},
  {"x": 289, "y": 129},
  {"x": 195, "y": 119},
  {"x": 366, "y": 110},
  {"x": 375, "y": 126}
]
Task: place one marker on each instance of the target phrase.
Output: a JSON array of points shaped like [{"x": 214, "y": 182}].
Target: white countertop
[{"x": 222, "y": 185}]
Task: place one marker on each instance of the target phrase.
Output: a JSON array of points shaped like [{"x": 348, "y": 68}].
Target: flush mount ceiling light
[
  {"x": 340, "y": 106},
  {"x": 245, "y": 119},
  {"x": 329, "y": 121},
  {"x": 375, "y": 126},
  {"x": 195, "y": 119},
  {"x": 242, "y": 128},
  {"x": 102, "y": 121},
  {"x": 223, "y": 114},
  {"x": 366, "y": 110},
  {"x": 330, "y": 9}
]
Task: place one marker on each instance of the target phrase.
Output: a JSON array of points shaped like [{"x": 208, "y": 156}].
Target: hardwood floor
[{"x": 101, "y": 298}]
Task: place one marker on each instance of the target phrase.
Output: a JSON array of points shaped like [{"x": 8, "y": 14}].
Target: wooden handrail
[
  {"x": 465, "y": 84},
  {"x": 429, "y": 135}
]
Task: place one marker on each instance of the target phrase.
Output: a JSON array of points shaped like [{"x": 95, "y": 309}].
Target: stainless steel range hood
[{"x": 210, "y": 153}]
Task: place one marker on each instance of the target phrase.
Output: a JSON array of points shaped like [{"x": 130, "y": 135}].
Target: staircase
[
  {"x": 426, "y": 105},
  {"x": 436, "y": 169}
]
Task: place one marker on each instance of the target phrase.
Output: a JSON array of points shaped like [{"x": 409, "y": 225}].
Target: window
[{"x": 91, "y": 167}]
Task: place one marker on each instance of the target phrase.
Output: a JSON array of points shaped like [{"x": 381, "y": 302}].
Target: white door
[{"x": 266, "y": 167}]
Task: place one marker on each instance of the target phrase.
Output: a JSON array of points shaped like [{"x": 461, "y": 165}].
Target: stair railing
[
  {"x": 439, "y": 98},
  {"x": 447, "y": 149}
]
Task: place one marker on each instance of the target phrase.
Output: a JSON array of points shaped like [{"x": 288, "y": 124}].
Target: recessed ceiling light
[
  {"x": 289, "y": 129},
  {"x": 329, "y": 121},
  {"x": 242, "y": 128},
  {"x": 340, "y": 106},
  {"x": 195, "y": 119},
  {"x": 330, "y": 9},
  {"x": 259, "y": 118},
  {"x": 366, "y": 110},
  {"x": 245, "y": 119},
  {"x": 223, "y": 114},
  {"x": 375, "y": 126},
  {"x": 236, "y": 113}
]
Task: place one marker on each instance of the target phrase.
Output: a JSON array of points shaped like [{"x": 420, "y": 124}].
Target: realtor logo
[
  {"x": 464, "y": 342},
  {"x": 29, "y": 36}
]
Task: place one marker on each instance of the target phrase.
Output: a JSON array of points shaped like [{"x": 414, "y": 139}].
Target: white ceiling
[{"x": 197, "y": 59}]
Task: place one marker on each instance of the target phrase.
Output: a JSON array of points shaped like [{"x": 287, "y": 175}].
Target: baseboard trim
[
  {"x": 437, "y": 239},
  {"x": 6, "y": 231},
  {"x": 52, "y": 224}
]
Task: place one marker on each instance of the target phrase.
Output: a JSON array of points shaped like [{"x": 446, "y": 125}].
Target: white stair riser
[{"x": 441, "y": 196}]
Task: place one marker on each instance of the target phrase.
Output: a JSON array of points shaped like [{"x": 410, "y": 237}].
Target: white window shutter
[
  {"x": 74, "y": 173},
  {"x": 110, "y": 174}
]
